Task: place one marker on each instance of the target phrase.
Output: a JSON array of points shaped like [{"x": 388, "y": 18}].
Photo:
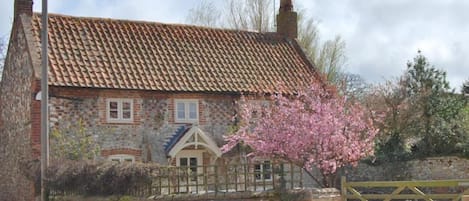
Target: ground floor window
[{"x": 263, "y": 171}]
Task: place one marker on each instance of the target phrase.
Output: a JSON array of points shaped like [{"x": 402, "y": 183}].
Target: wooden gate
[{"x": 405, "y": 190}]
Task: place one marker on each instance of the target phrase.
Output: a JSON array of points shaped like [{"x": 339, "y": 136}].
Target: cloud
[
  {"x": 6, "y": 17},
  {"x": 146, "y": 10},
  {"x": 382, "y": 36}
]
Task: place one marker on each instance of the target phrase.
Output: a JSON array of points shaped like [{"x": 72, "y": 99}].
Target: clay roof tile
[{"x": 108, "y": 53}]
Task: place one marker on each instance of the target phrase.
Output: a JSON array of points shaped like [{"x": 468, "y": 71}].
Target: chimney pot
[
  {"x": 286, "y": 5},
  {"x": 23, "y": 7}
]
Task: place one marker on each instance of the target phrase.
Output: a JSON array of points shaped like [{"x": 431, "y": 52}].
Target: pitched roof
[
  {"x": 190, "y": 136},
  {"x": 122, "y": 54},
  {"x": 173, "y": 139}
]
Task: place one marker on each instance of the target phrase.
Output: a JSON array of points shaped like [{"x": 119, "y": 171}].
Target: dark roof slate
[{"x": 174, "y": 139}]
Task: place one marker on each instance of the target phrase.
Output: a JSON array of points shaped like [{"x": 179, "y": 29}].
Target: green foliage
[
  {"x": 74, "y": 143},
  {"x": 392, "y": 149},
  {"x": 464, "y": 122},
  {"x": 437, "y": 109},
  {"x": 125, "y": 198},
  {"x": 423, "y": 116}
]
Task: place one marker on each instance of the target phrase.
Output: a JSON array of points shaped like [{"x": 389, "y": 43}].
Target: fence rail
[{"x": 405, "y": 190}]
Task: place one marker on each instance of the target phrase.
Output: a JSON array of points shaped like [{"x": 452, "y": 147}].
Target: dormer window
[
  {"x": 119, "y": 110},
  {"x": 186, "y": 111}
]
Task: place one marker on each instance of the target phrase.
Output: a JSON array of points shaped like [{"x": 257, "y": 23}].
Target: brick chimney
[
  {"x": 287, "y": 20},
  {"x": 23, "y": 7}
]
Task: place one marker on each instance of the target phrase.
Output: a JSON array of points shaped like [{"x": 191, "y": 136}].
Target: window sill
[
  {"x": 120, "y": 122},
  {"x": 186, "y": 122}
]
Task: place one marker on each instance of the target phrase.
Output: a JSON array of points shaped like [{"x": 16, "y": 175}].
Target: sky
[{"x": 381, "y": 35}]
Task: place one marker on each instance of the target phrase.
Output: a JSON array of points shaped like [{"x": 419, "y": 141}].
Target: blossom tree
[{"x": 314, "y": 128}]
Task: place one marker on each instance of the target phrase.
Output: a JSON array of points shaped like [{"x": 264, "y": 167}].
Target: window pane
[
  {"x": 126, "y": 115},
  {"x": 193, "y": 168},
  {"x": 183, "y": 162},
  {"x": 192, "y": 110},
  {"x": 126, "y": 106},
  {"x": 257, "y": 167},
  {"x": 193, "y": 161},
  {"x": 181, "y": 114},
  {"x": 113, "y": 114},
  {"x": 267, "y": 176},
  {"x": 257, "y": 170},
  {"x": 266, "y": 166},
  {"x": 112, "y": 105},
  {"x": 267, "y": 169},
  {"x": 128, "y": 160},
  {"x": 115, "y": 160}
]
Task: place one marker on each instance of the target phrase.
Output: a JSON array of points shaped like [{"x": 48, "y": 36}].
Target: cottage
[{"x": 147, "y": 91}]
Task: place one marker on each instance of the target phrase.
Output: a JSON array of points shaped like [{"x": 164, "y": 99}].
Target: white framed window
[
  {"x": 121, "y": 158},
  {"x": 263, "y": 171},
  {"x": 119, "y": 110},
  {"x": 186, "y": 110}
]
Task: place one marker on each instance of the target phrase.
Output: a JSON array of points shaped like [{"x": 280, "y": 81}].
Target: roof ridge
[{"x": 119, "y": 20}]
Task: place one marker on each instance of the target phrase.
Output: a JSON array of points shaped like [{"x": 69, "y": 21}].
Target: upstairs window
[
  {"x": 119, "y": 110},
  {"x": 186, "y": 111}
]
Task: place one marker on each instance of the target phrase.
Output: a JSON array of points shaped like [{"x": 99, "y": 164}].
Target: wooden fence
[
  {"x": 230, "y": 178},
  {"x": 213, "y": 179},
  {"x": 405, "y": 190}
]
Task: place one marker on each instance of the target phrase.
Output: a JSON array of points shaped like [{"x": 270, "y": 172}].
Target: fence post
[
  {"x": 465, "y": 186},
  {"x": 216, "y": 179},
  {"x": 343, "y": 188},
  {"x": 246, "y": 168}
]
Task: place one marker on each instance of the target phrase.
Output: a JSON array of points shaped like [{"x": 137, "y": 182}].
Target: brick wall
[
  {"x": 36, "y": 121},
  {"x": 153, "y": 121},
  {"x": 15, "y": 135}
]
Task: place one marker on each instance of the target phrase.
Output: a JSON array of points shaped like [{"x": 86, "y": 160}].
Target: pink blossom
[{"x": 314, "y": 128}]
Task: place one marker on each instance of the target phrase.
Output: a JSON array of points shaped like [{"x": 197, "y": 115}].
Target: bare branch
[{"x": 205, "y": 14}]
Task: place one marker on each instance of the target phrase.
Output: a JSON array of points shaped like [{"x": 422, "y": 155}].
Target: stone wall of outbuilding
[{"x": 436, "y": 168}]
